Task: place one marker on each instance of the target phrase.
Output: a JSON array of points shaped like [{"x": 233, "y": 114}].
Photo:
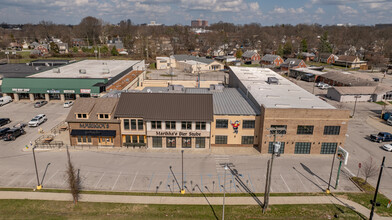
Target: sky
[{"x": 169, "y": 12}]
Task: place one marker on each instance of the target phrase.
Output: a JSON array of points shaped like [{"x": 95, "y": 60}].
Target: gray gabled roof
[
  {"x": 249, "y": 54},
  {"x": 183, "y": 57},
  {"x": 269, "y": 57},
  {"x": 292, "y": 62}
]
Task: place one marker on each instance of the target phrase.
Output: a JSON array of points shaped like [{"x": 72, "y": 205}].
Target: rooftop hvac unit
[
  {"x": 216, "y": 87},
  {"x": 105, "y": 71},
  {"x": 273, "y": 80},
  {"x": 56, "y": 70},
  {"x": 82, "y": 71}
]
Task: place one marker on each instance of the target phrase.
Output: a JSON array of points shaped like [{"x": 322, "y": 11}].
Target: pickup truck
[{"x": 381, "y": 137}]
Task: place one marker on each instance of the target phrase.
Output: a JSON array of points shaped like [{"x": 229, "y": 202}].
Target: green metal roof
[{"x": 42, "y": 85}]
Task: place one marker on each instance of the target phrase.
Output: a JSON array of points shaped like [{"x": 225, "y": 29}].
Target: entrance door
[{"x": 105, "y": 140}]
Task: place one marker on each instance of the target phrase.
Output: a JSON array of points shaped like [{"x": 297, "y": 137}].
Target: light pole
[
  {"x": 355, "y": 104},
  {"x": 224, "y": 192},
  {"x": 330, "y": 175},
  {"x": 375, "y": 193},
  {"x": 36, "y": 171},
  {"x": 8, "y": 57},
  {"x": 182, "y": 172}
]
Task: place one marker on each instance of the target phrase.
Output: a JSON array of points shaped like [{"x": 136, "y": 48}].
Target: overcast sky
[{"x": 183, "y": 11}]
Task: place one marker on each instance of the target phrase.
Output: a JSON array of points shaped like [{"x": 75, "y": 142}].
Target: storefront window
[
  {"x": 200, "y": 142},
  {"x": 186, "y": 142},
  {"x": 170, "y": 142},
  {"x": 134, "y": 139},
  {"x": 84, "y": 139},
  {"x": 157, "y": 142}
]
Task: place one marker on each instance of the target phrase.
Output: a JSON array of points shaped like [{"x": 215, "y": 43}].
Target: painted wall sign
[
  {"x": 69, "y": 91},
  {"x": 235, "y": 125},
  {"x": 20, "y": 90},
  {"x": 178, "y": 133},
  {"x": 53, "y": 91},
  {"x": 88, "y": 91},
  {"x": 94, "y": 125}
]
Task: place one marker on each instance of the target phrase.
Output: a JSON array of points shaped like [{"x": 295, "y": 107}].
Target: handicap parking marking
[
  {"x": 96, "y": 185},
  {"x": 115, "y": 182},
  {"x": 134, "y": 179}
]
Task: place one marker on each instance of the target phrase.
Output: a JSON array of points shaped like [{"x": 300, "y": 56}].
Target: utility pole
[
  {"x": 330, "y": 175},
  {"x": 375, "y": 193},
  {"x": 276, "y": 147},
  {"x": 355, "y": 104},
  {"x": 224, "y": 192}
]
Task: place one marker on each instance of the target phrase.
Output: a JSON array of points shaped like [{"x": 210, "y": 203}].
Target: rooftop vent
[
  {"x": 176, "y": 88},
  {"x": 105, "y": 71},
  {"x": 82, "y": 71},
  {"x": 273, "y": 80},
  {"x": 56, "y": 70}
]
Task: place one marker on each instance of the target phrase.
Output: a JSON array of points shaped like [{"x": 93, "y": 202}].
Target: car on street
[
  {"x": 68, "y": 104},
  {"x": 381, "y": 137},
  {"x": 387, "y": 147},
  {"x": 37, "y": 120},
  {"x": 3, "y": 131},
  {"x": 4, "y": 121},
  {"x": 319, "y": 84},
  {"x": 4, "y": 100},
  {"x": 325, "y": 86},
  {"x": 40, "y": 104},
  {"x": 13, "y": 133}
]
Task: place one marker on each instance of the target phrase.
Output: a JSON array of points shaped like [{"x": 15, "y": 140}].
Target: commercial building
[
  {"x": 91, "y": 122},
  {"x": 199, "y": 23},
  {"x": 165, "y": 120},
  {"x": 307, "y": 124},
  {"x": 360, "y": 93},
  {"x": 88, "y": 78}
]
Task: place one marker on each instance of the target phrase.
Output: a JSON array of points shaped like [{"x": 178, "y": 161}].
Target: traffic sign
[{"x": 342, "y": 155}]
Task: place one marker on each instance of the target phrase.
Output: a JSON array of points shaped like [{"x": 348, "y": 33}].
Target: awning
[{"x": 102, "y": 133}]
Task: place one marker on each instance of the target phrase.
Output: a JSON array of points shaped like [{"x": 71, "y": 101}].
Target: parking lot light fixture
[{"x": 36, "y": 170}]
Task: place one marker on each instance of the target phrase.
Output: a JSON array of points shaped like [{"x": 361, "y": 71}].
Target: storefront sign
[
  {"x": 53, "y": 91},
  {"x": 20, "y": 90},
  {"x": 94, "y": 125},
  {"x": 69, "y": 91},
  {"x": 178, "y": 133},
  {"x": 86, "y": 91}
]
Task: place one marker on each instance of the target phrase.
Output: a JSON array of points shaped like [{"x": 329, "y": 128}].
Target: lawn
[{"x": 33, "y": 209}]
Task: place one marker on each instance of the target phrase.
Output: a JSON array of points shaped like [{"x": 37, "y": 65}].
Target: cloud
[
  {"x": 347, "y": 9},
  {"x": 279, "y": 10},
  {"x": 320, "y": 11}
]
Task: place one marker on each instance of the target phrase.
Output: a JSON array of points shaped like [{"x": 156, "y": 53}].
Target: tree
[
  {"x": 369, "y": 169},
  {"x": 304, "y": 46},
  {"x": 90, "y": 27},
  {"x": 280, "y": 50},
  {"x": 325, "y": 46},
  {"x": 54, "y": 47},
  {"x": 74, "y": 182},
  {"x": 114, "y": 51},
  {"x": 238, "y": 54},
  {"x": 287, "y": 48}
]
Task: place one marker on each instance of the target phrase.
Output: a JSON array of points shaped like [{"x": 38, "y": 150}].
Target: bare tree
[
  {"x": 370, "y": 169},
  {"x": 73, "y": 180}
]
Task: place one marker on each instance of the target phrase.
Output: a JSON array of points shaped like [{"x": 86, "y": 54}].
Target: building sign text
[
  {"x": 94, "y": 125},
  {"x": 178, "y": 133}
]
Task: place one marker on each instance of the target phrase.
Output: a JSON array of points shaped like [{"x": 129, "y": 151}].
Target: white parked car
[
  {"x": 68, "y": 104},
  {"x": 319, "y": 84},
  {"x": 387, "y": 147},
  {"x": 325, "y": 86},
  {"x": 4, "y": 100},
  {"x": 37, "y": 120}
]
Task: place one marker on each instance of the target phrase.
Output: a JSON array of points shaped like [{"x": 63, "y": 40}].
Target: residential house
[
  {"x": 360, "y": 93},
  {"x": 327, "y": 58},
  {"x": 218, "y": 53},
  {"x": 116, "y": 42},
  {"x": 251, "y": 57},
  {"x": 40, "y": 50},
  {"x": 63, "y": 47},
  {"x": 193, "y": 64},
  {"x": 162, "y": 63},
  {"x": 292, "y": 63},
  {"x": 306, "y": 56},
  {"x": 271, "y": 59},
  {"x": 77, "y": 42},
  {"x": 352, "y": 62}
]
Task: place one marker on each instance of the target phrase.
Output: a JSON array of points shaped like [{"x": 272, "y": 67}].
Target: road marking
[
  {"x": 285, "y": 182},
  {"x": 116, "y": 180},
  {"x": 52, "y": 176},
  {"x": 137, "y": 172},
  {"x": 16, "y": 177},
  {"x": 96, "y": 185},
  {"x": 349, "y": 171},
  {"x": 319, "y": 184},
  {"x": 306, "y": 189},
  {"x": 251, "y": 183},
  {"x": 149, "y": 185}
]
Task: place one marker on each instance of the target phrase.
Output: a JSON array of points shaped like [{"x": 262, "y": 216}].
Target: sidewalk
[{"x": 189, "y": 200}]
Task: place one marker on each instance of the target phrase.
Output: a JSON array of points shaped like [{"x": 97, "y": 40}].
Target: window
[
  {"x": 126, "y": 124},
  {"x": 222, "y": 123},
  {"x": 127, "y": 139},
  {"x": 156, "y": 125},
  {"x": 328, "y": 148},
  {"x": 81, "y": 116},
  {"x": 104, "y": 116},
  {"x": 186, "y": 142},
  {"x": 248, "y": 124},
  {"x": 302, "y": 148},
  {"x": 157, "y": 142},
  {"x": 139, "y": 124},
  {"x": 200, "y": 126},
  {"x": 305, "y": 129},
  {"x": 200, "y": 142},
  {"x": 134, "y": 139},
  {"x": 133, "y": 124},
  {"x": 220, "y": 139},
  {"x": 170, "y": 125},
  {"x": 84, "y": 139},
  {"x": 281, "y": 129},
  {"x": 186, "y": 125},
  {"x": 331, "y": 130},
  {"x": 247, "y": 140},
  {"x": 141, "y": 139},
  {"x": 271, "y": 147},
  {"x": 171, "y": 142}
]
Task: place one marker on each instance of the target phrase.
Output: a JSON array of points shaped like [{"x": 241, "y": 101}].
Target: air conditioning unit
[
  {"x": 56, "y": 70},
  {"x": 82, "y": 71}
]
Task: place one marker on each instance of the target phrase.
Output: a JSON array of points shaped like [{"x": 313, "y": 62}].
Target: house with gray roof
[
  {"x": 251, "y": 57},
  {"x": 193, "y": 64},
  {"x": 271, "y": 59},
  {"x": 292, "y": 63}
]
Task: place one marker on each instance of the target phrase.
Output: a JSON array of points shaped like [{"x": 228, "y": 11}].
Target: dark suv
[
  {"x": 12, "y": 134},
  {"x": 3, "y": 131},
  {"x": 4, "y": 121},
  {"x": 381, "y": 137}
]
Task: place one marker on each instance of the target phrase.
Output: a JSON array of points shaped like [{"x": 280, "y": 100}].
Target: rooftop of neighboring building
[
  {"x": 20, "y": 70},
  {"x": 269, "y": 57},
  {"x": 187, "y": 58},
  {"x": 291, "y": 62},
  {"x": 93, "y": 107},
  {"x": 348, "y": 79},
  {"x": 362, "y": 90},
  {"x": 249, "y": 53},
  {"x": 284, "y": 94}
]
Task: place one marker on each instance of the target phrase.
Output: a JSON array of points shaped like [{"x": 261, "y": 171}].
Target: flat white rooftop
[
  {"x": 88, "y": 69},
  {"x": 285, "y": 94}
]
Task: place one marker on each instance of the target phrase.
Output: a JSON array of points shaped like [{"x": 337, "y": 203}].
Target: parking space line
[
  {"x": 285, "y": 182},
  {"x": 52, "y": 176},
  {"x": 13, "y": 180},
  {"x": 5, "y": 173},
  {"x": 220, "y": 187},
  {"x": 167, "y": 181},
  {"x": 250, "y": 181},
  {"x": 96, "y": 185},
  {"x": 116, "y": 180},
  {"x": 137, "y": 172},
  {"x": 318, "y": 182},
  {"x": 349, "y": 171},
  {"x": 235, "y": 188},
  {"x": 306, "y": 189},
  {"x": 149, "y": 185}
]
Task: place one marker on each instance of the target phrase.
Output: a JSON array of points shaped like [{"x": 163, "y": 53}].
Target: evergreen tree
[
  {"x": 114, "y": 51},
  {"x": 280, "y": 50},
  {"x": 239, "y": 53},
  {"x": 304, "y": 46},
  {"x": 287, "y": 48},
  {"x": 325, "y": 46}
]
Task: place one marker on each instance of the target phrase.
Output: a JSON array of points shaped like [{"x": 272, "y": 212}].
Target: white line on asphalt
[
  {"x": 265, "y": 183},
  {"x": 349, "y": 171},
  {"x": 116, "y": 180},
  {"x": 5, "y": 173},
  {"x": 52, "y": 176},
  {"x": 302, "y": 182},
  {"x": 96, "y": 185},
  {"x": 318, "y": 182},
  {"x": 285, "y": 182},
  {"x": 134, "y": 180},
  {"x": 9, "y": 184}
]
